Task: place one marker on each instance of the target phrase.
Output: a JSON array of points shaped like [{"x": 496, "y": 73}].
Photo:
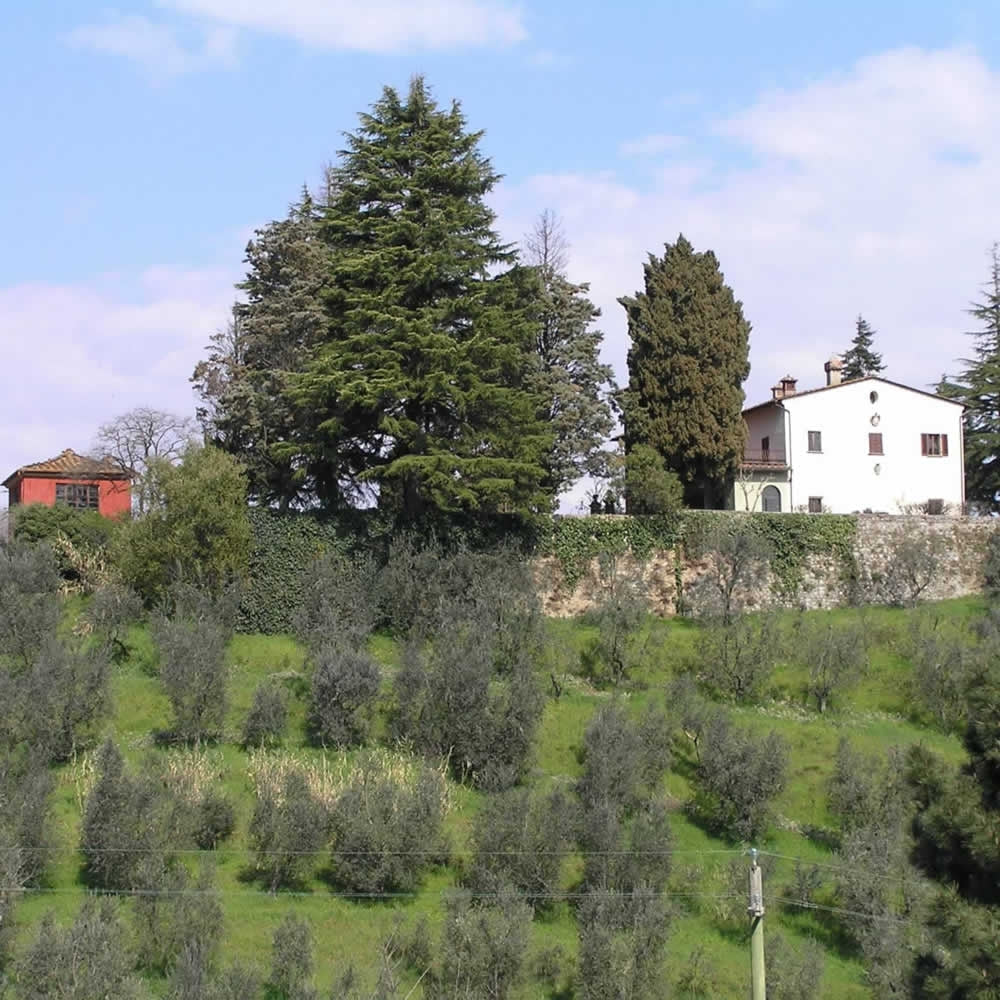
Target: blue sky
[{"x": 838, "y": 158}]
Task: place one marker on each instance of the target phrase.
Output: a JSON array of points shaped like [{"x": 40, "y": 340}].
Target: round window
[
  {"x": 875, "y": 419},
  {"x": 878, "y": 468},
  {"x": 873, "y": 396}
]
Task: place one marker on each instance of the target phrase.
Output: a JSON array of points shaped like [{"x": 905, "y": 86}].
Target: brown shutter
[
  {"x": 923, "y": 444},
  {"x": 944, "y": 444}
]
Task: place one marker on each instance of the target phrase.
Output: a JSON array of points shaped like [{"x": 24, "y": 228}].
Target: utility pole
[{"x": 756, "y": 911}]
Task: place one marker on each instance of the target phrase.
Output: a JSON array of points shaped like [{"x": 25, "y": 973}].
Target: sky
[{"x": 838, "y": 158}]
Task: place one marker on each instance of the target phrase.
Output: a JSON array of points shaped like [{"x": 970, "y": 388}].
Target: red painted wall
[{"x": 114, "y": 497}]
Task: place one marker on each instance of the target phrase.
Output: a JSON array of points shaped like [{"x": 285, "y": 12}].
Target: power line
[{"x": 425, "y": 852}]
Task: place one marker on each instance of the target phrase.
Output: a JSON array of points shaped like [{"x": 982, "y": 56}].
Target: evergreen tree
[
  {"x": 422, "y": 386},
  {"x": 978, "y": 389},
  {"x": 573, "y": 385},
  {"x": 242, "y": 383},
  {"x": 688, "y": 359},
  {"x": 859, "y": 359}
]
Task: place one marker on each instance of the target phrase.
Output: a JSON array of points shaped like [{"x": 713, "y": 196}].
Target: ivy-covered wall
[{"x": 820, "y": 560}]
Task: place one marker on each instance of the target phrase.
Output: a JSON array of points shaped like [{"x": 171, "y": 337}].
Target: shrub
[
  {"x": 943, "y": 660},
  {"x": 622, "y": 939},
  {"x": 991, "y": 565},
  {"x": 387, "y": 826},
  {"x": 737, "y": 558},
  {"x": 344, "y": 688},
  {"x": 738, "y": 656},
  {"x": 340, "y": 601},
  {"x": 450, "y": 703},
  {"x": 128, "y": 823},
  {"x": 198, "y": 533},
  {"x": 738, "y": 777},
  {"x": 25, "y": 801},
  {"x": 519, "y": 840},
  {"x": 29, "y": 601},
  {"x": 483, "y": 949},
  {"x": 89, "y": 959},
  {"x": 291, "y": 958},
  {"x": 623, "y": 761},
  {"x": 650, "y": 487},
  {"x": 109, "y": 615},
  {"x": 215, "y": 820},
  {"x": 63, "y": 696},
  {"x": 794, "y": 972},
  {"x": 288, "y": 827},
  {"x": 177, "y": 914},
  {"x": 837, "y": 656},
  {"x": 912, "y": 560},
  {"x": 192, "y": 644},
  {"x": 627, "y": 854},
  {"x": 268, "y": 715},
  {"x": 621, "y": 609}
]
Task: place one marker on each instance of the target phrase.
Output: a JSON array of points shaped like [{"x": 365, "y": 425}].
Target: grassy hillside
[{"x": 707, "y": 950}]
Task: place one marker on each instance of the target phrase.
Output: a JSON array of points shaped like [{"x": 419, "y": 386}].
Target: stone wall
[{"x": 959, "y": 546}]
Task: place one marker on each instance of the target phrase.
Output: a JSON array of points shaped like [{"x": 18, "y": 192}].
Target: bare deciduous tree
[{"x": 139, "y": 437}]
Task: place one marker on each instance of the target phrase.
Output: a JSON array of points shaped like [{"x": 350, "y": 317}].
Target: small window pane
[{"x": 815, "y": 441}]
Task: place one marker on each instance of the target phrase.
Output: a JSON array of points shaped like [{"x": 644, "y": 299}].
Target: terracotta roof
[
  {"x": 854, "y": 381},
  {"x": 68, "y": 463}
]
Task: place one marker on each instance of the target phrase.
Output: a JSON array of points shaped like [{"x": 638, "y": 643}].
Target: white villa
[{"x": 868, "y": 444}]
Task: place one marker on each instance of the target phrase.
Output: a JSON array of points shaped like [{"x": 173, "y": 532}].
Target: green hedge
[{"x": 283, "y": 546}]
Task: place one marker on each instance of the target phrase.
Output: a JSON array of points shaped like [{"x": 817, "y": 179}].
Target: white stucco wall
[{"x": 844, "y": 474}]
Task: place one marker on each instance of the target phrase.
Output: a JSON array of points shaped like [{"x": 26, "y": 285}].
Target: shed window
[
  {"x": 875, "y": 444},
  {"x": 815, "y": 440},
  {"x": 771, "y": 500},
  {"x": 815, "y": 505},
  {"x": 934, "y": 445},
  {"x": 79, "y": 495}
]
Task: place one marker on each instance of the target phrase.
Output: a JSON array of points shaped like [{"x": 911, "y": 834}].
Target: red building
[{"x": 99, "y": 484}]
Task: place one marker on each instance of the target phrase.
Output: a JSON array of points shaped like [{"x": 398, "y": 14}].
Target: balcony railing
[{"x": 767, "y": 458}]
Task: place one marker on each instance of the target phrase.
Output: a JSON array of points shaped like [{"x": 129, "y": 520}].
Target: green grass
[{"x": 876, "y": 715}]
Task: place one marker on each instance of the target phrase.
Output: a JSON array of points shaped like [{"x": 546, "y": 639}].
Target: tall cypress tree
[
  {"x": 687, "y": 363},
  {"x": 422, "y": 382},
  {"x": 978, "y": 388},
  {"x": 859, "y": 359}
]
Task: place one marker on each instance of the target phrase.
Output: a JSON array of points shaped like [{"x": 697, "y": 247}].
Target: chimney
[
  {"x": 785, "y": 387},
  {"x": 832, "y": 369}
]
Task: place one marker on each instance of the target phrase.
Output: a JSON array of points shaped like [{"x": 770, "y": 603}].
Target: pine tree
[
  {"x": 978, "y": 389},
  {"x": 242, "y": 383},
  {"x": 421, "y": 388},
  {"x": 575, "y": 388},
  {"x": 688, "y": 359},
  {"x": 859, "y": 359}
]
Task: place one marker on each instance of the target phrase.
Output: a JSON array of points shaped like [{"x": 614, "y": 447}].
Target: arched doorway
[{"x": 771, "y": 500}]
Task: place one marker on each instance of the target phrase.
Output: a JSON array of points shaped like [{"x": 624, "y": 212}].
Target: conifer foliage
[
  {"x": 978, "y": 388},
  {"x": 859, "y": 359},
  {"x": 421, "y": 386},
  {"x": 687, "y": 363}
]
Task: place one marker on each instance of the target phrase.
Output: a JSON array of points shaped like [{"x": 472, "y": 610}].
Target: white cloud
[
  {"x": 372, "y": 26},
  {"x": 77, "y": 355},
  {"x": 870, "y": 192},
  {"x": 160, "y": 49},
  {"x": 652, "y": 145}
]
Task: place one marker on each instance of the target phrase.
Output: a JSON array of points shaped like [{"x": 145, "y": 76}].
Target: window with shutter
[
  {"x": 875, "y": 444},
  {"x": 815, "y": 440},
  {"x": 934, "y": 445}
]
